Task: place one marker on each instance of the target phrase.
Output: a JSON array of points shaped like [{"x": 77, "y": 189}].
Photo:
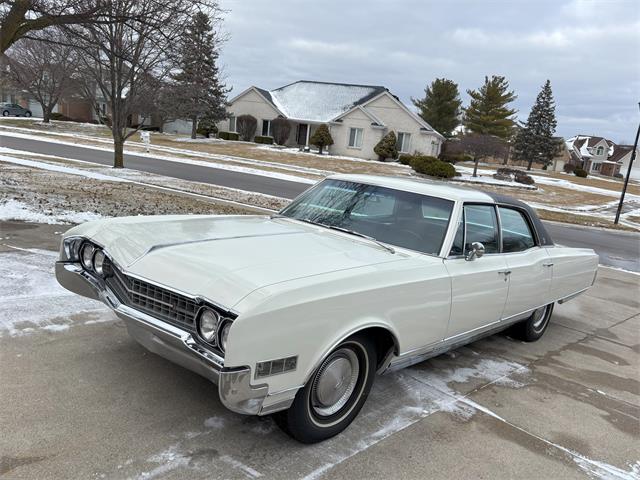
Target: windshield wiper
[{"x": 361, "y": 235}]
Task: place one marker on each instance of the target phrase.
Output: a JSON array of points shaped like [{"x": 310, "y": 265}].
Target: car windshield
[{"x": 394, "y": 217}]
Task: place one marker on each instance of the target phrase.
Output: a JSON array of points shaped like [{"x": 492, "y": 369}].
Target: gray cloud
[{"x": 590, "y": 50}]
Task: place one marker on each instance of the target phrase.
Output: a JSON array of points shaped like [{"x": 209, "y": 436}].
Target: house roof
[
  {"x": 320, "y": 101},
  {"x": 619, "y": 152}
]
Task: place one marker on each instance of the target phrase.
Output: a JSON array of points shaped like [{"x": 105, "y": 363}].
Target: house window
[
  {"x": 600, "y": 150},
  {"x": 596, "y": 167},
  {"x": 404, "y": 142},
  {"x": 355, "y": 137},
  {"x": 266, "y": 128},
  {"x": 232, "y": 123}
]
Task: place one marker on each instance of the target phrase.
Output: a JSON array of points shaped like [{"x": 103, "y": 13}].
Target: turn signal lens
[
  {"x": 208, "y": 325},
  {"x": 274, "y": 367},
  {"x": 86, "y": 256}
]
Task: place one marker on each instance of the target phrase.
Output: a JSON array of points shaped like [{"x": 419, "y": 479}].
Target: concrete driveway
[{"x": 79, "y": 399}]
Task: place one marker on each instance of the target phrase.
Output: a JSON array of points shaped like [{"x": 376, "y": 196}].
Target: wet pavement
[{"x": 80, "y": 399}]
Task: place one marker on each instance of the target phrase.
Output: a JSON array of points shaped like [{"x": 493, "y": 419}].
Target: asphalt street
[
  {"x": 82, "y": 400},
  {"x": 616, "y": 249}
]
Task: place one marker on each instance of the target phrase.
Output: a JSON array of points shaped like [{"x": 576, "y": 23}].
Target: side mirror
[{"x": 477, "y": 251}]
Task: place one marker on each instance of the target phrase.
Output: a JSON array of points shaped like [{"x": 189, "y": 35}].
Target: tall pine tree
[
  {"x": 440, "y": 106},
  {"x": 488, "y": 112},
  {"x": 200, "y": 90},
  {"x": 534, "y": 142}
]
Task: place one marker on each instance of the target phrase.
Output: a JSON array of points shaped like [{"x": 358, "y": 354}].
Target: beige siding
[
  {"x": 394, "y": 118},
  {"x": 251, "y": 103}
]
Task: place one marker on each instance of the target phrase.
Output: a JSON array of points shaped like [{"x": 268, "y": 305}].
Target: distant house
[
  {"x": 358, "y": 116},
  {"x": 594, "y": 154},
  {"x": 622, "y": 154}
]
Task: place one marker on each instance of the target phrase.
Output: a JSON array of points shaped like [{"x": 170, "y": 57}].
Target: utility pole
[{"x": 626, "y": 180}]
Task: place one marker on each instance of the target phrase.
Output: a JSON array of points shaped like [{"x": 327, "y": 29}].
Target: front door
[
  {"x": 301, "y": 136},
  {"x": 530, "y": 266},
  {"x": 479, "y": 287}
]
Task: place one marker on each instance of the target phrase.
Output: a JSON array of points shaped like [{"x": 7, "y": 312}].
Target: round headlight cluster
[
  {"x": 224, "y": 334},
  {"x": 213, "y": 328},
  {"x": 86, "y": 256},
  {"x": 98, "y": 261},
  {"x": 208, "y": 325}
]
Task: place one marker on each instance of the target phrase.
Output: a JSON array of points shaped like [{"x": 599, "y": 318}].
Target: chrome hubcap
[
  {"x": 335, "y": 382},
  {"x": 539, "y": 317}
]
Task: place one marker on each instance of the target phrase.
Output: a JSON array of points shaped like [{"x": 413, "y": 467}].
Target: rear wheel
[
  {"x": 27, "y": 114},
  {"x": 534, "y": 327},
  {"x": 334, "y": 395},
  {"x": 5, "y": 113}
]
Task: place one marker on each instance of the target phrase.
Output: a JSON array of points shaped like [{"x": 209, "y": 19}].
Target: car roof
[{"x": 422, "y": 186}]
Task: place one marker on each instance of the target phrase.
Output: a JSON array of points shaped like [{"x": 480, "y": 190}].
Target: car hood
[{"x": 223, "y": 259}]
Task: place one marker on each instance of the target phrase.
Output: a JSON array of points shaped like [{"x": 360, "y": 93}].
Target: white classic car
[{"x": 295, "y": 313}]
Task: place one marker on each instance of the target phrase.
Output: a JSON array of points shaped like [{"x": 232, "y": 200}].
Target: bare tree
[
  {"x": 45, "y": 69},
  {"x": 482, "y": 146},
  {"x": 21, "y": 18},
  {"x": 125, "y": 55}
]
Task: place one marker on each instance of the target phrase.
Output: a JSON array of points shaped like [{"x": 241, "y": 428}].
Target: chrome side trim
[{"x": 572, "y": 296}]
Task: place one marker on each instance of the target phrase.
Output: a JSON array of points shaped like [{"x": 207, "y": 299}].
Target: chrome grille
[{"x": 151, "y": 299}]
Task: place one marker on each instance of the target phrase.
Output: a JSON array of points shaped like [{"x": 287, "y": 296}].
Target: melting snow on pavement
[{"x": 31, "y": 299}]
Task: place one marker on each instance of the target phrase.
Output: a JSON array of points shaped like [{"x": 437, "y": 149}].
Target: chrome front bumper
[{"x": 171, "y": 342}]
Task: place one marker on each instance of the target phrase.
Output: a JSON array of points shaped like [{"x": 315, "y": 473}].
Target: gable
[
  {"x": 250, "y": 100},
  {"x": 396, "y": 115}
]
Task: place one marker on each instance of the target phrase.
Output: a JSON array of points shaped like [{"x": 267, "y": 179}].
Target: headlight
[
  {"x": 224, "y": 334},
  {"x": 72, "y": 248},
  {"x": 86, "y": 255},
  {"x": 98, "y": 261},
  {"x": 208, "y": 325}
]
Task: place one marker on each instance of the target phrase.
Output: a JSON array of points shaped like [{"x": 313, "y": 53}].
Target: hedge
[
  {"x": 431, "y": 166},
  {"x": 455, "y": 157},
  {"x": 263, "y": 139},
  {"x": 228, "y": 136},
  {"x": 580, "y": 172}
]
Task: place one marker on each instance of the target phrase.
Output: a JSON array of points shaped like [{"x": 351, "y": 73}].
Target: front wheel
[
  {"x": 27, "y": 114},
  {"x": 334, "y": 395},
  {"x": 534, "y": 327}
]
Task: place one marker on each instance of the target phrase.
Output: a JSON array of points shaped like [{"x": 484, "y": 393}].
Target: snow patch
[
  {"x": 16, "y": 210},
  {"x": 214, "y": 422}
]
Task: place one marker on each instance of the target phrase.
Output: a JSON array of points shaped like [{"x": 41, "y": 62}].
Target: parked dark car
[{"x": 14, "y": 110}]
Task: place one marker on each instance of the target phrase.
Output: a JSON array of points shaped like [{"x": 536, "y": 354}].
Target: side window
[
  {"x": 516, "y": 233},
  {"x": 481, "y": 225}
]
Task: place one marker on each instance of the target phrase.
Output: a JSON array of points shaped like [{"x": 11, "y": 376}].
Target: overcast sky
[{"x": 590, "y": 50}]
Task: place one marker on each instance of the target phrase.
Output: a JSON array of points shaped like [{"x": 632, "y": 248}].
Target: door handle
[{"x": 547, "y": 264}]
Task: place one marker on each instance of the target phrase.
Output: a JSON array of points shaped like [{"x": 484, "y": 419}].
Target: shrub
[
  {"x": 405, "y": 159},
  {"x": 280, "y": 128},
  {"x": 569, "y": 168},
  {"x": 263, "y": 139},
  {"x": 455, "y": 157},
  {"x": 228, "y": 136},
  {"x": 246, "y": 126},
  {"x": 60, "y": 117},
  {"x": 523, "y": 178},
  {"x": 513, "y": 174},
  {"x": 580, "y": 172},
  {"x": 206, "y": 127},
  {"x": 321, "y": 138},
  {"x": 433, "y": 167},
  {"x": 386, "y": 147},
  {"x": 618, "y": 175}
]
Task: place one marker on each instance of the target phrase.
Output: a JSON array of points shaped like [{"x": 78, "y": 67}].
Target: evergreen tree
[
  {"x": 321, "y": 138},
  {"x": 488, "y": 112},
  {"x": 386, "y": 147},
  {"x": 440, "y": 106},
  {"x": 534, "y": 141},
  {"x": 201, "y": 92}
]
